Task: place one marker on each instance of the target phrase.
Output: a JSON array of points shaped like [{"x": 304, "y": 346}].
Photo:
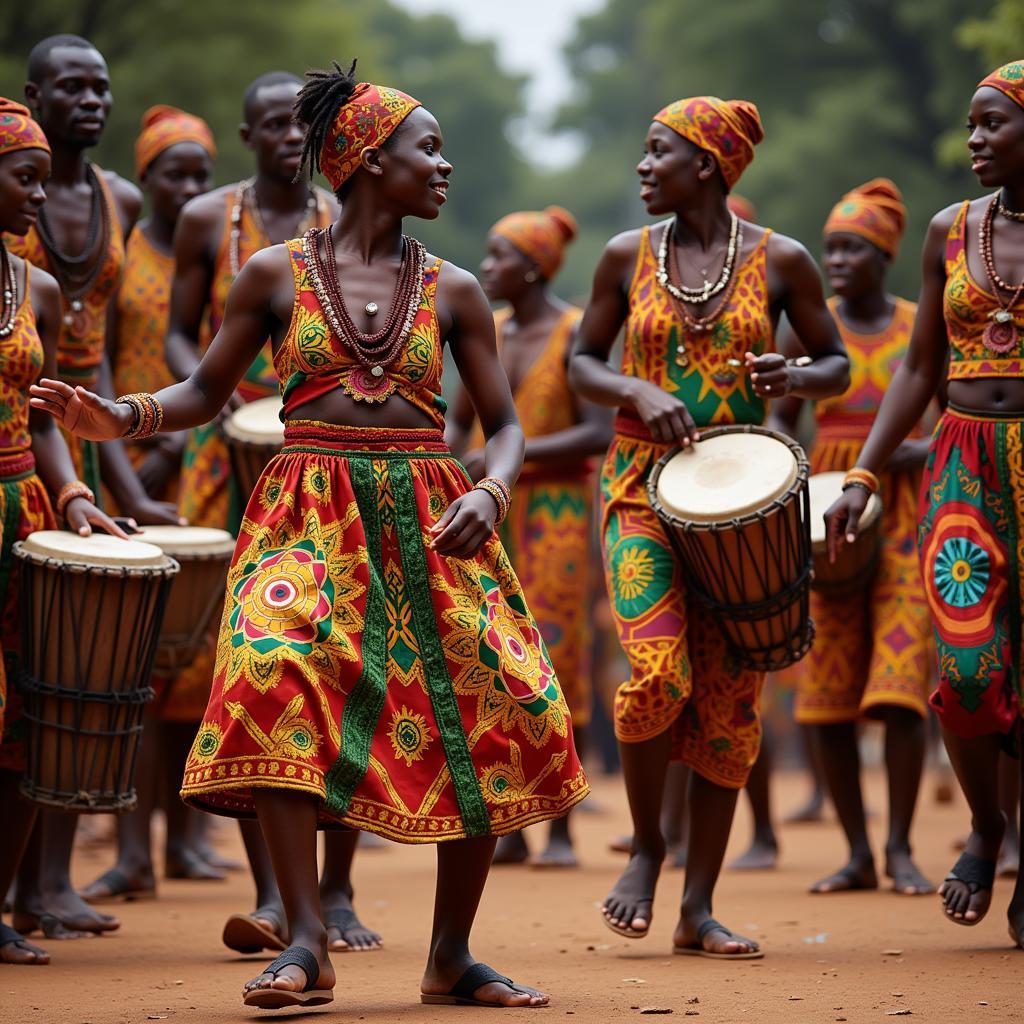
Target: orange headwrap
[
  {"x": 367, "y": 118},
  {"x": 163, "y": 127},
  {"x": 728, "y": 128},
  {"x": 540, "y": 236},
  {"x": 18, "y": 130},
  {"x": 742, "y": 207},
  {"x": 1009, "y": 79},
  {"x": 874, "y": 211}
]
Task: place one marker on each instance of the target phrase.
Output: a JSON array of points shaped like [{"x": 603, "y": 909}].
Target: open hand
[
  {"x": 843, "y": 518},
  {"x": 465, "y": 526},
  {"x": 82, "y": 515},
  {"x": 80, "y": 411}
]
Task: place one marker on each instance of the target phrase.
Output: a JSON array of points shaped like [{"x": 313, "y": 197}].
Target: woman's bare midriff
[
  {"x": 340, "y": 410},
  {"x": 1002, "y": 396}
]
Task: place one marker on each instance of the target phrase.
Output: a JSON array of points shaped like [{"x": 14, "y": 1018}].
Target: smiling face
[
  {"x": 503, "y": 270},
  {"x": 996, "y": 138},
  {"x": 72, "y": 100},
  {"x": 271, "y": 134},
  {"x": 180, "y": 173},
  {"x": 22, "y": 176},
  {"x": 672, "y": 170},
  {"x": 413, "y": 173},
  {"x": 854, "y": 266}
]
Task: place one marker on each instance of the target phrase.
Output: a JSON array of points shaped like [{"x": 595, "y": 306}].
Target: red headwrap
[
  {"x": 18, "y": 130},
  {"x": 874, "y": 211},
  {"x": 542, "y": 237},
  {"x": 728, "y": 128},
  {"x": 163, "y": 127},
  {"x": 367, "y": 119},
  {"x": 1009, "y": 79}
]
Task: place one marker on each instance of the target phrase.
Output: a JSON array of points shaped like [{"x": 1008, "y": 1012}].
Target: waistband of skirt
[
  {"x": 17, "y": 463},
  {"x": 314, "y": 437},
  {"x": 977, "y": 416}
]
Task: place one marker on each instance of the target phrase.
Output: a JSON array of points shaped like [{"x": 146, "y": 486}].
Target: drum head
[
  {"x": 726, "y": 477},
  {"x": 100, "y": 550},
  {"x": 257, "y": 422},
  {"x": 825, "y": 489},
  {"x": 188, "y": 540}
]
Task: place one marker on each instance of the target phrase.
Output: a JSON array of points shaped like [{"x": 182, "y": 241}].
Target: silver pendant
[
  {"x": 76, "y": 305},
  {"x": 377, "y": 371},
  {"x": 371, "y": 308},
  {"x": 1003, "y": 316}
]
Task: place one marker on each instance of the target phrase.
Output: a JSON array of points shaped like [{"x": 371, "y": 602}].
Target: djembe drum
[
  {"x": 91, "y": 614},
  {"x": 735, "y": 507},
  {"x": 254, "y": 434},
  {"x": 855, "y": 563}
]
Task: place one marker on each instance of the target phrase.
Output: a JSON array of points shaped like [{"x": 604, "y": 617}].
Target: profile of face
[
  {"x": 72, "y": 100},
  {"x": 505, "y": 271},
  {"x": 270, "y": 132},
  {"x": 995, "y": 138},
  {"x": 412, "y": 174},
  {"x": 854, "y": 265},
  {"x": 180, "y": 173},
  {"x": 23, "y": 174},
  {"x": 672, "y": 170}
]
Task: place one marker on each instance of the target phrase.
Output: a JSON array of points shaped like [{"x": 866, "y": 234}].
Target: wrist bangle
[
  {"x": 499, "y": 491},
  {"x": 70, "y": 491},
  {"x": 148, "y": 415},
  {"x": 862, "y": 478}
]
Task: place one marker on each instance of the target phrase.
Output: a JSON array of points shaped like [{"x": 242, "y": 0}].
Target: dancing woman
[
  {"x": 971, "y": 510},
  {"x": 377, "y": 666},
  {"x": 699, "y": 295}
]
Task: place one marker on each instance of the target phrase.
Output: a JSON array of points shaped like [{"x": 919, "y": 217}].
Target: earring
[{"x": 530, "y": 276}]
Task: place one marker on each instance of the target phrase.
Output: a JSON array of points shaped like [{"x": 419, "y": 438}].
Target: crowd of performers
[{"x": 405, "y": 644}]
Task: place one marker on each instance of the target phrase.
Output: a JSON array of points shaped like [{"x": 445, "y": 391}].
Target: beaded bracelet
[
  {"x": 149, "y": 415},
  {"x": 860, "y": 477},
  {"x": 70, "y": 491},
  {"x": 499, "y": 491}
]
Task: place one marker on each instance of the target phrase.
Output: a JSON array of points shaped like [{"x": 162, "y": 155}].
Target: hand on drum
[
  {"x": 666, "y": 417},
  {"x": 80, "y": 411},
  {"x": 769, "y": 374},
  {"x": 465, "y": 526},
  {"x": 82, "y": 515},
  {"x": 842, "y": 519}
]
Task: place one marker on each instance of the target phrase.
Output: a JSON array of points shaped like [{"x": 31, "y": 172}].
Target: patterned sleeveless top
[
  {"x": 143, "y": 302},
  {"x": 312, "y": 361},
  {"x": 21, "y": 361},
  {"x": 874, "y": 358},
  {"x": 260, "y": 379},
  {"x": 83, "y": 332},
  {"x": 966, "y": 307},
  {"x": 713, "y": 390}
]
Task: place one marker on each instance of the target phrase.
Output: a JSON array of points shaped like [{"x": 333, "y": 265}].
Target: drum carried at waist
[
  {"x": 254, "y": 434},
  {"x": 91, "y": 615},
  {"x": 855, "y": 563},
  {"x": 736, "y": 509}
]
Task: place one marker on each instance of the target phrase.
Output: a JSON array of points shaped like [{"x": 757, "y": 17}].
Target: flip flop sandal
[
  {"x": 624, "y": 930},
  {"x": 697, "y": 949},
  {"x": 120, "y": 888},
  {"x": 51, "y": 927},
  {"x": 856, "y": 884},
  {"x": 345, "y": 919},
  {"x": 245, "y": 934},
  {"x": 9, "y": 937},
  {"x": 978, "y": 874},
  {"x": 276, "y": 998},
  {"x": 475, "y": 977}
]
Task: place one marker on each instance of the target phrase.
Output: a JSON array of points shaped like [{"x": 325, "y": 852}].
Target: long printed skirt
[
  {"x": 409, "y": 693},
  {"x": 970, "y": 537},
  {"x": 24, "y": 508}
]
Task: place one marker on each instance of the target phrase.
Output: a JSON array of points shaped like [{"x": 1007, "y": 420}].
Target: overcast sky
[{"x": 529, "y": 35}]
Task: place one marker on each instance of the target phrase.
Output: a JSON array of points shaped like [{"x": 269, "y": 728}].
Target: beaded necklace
[
  {"x": 1001, "y": 334},
  {"x": 681, "y": 292},
  {"x": 309, "y": 218},
  {"x": 10, "y": 302}
]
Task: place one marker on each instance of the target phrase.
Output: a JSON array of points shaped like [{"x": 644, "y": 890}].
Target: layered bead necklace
[
  {"x": 242, "y": 193},
  {"x": 1001, "y": 334},
  {"x": 375, "y": 352},
  {"x": 9, "y": 310}
]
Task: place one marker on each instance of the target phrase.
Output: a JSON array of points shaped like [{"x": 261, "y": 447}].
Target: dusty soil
[{"x": 855, "y": 957}]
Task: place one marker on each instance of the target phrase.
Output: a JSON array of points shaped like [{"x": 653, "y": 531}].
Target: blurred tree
[{"x": 999, "y": 36}]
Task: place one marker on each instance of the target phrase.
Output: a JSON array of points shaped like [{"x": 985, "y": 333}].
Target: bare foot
[
  {"x": 511, "y": 849},
  {"x": 627, "y": 908},
  {"x": 1009, "y": 859},
  {"x": 967, "y": 891},
  {"x": 852, "y": 878},
  {"x": 345, "y": 932},
  {"x": 559, "y": 853},
  {"x": 63, "y": 915},
  {"x": 119, "y": 884},
  {"x": 761, "y": 856},
  {"x": 14, "y": 949},
  {"x": 441, "y": 976},
  {"x": 704, "y": 934},
  {"x": 1016, "y": 918},
  {"x": 907, "y": 878}
]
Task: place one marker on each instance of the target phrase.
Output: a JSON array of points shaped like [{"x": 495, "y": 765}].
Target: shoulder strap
[
  {"x": 643, "y": 254},
  {"x": 956, "y": 240}
]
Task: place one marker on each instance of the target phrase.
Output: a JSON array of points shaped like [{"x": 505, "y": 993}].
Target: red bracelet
[{"x": 70, "y": 491}]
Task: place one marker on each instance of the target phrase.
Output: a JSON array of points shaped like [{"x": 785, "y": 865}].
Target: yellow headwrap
[
  {"x": 541, "y": 236},
  {"x": 163, "y": 127},
  {"x": 874, "y": 211}
]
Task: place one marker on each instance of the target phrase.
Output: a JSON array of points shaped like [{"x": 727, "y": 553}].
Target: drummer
[
  {"x": 174, "y": 155},
  {"x": 872, "y": 654},
  {"x": 30, "y": 321},
  {"x": 699, "y": 295}
]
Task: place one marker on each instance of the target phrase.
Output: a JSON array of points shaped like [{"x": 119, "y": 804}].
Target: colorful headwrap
[
  {"x": 18, "y": 130},
  {"x": 163, "y": 127},
  {"x": 874, "y": 211},
  {"x": 368, "y": 118},
  {"x": 728, "y": 128},
  {"x": 540, "y": 236},
  {"x": 742, "y": 207},
  {"x": 1009, "y": 79}
]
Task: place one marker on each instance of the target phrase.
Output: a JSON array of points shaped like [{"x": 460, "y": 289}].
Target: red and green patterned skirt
[
  {"x": 970, "y": 538},
  {"x": 411, "y": 694}
]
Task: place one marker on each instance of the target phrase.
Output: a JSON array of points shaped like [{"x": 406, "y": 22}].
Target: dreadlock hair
[
  {"x": 39, "y": 56},
  {"x": 316, "y": 107}
]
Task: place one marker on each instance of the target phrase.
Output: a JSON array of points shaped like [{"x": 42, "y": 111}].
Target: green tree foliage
[{"x": 999, "y": 36}]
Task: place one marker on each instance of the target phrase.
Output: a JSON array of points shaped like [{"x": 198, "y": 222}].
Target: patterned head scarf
[
  {"x": 1009, "y": 80},
  {"x": 874, "y": 211},
  {"x": 163, "y": 127},
  {"x": 742, "y": 207},
  {"x": 540, "y": 236},
  {"x": 18, "y": 130},
  {"x": 728, "y": 128},
  {"x": 367, "y": 118}
]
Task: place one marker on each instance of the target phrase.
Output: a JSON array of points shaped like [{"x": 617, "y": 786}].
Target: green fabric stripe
[
  {"x": 366, "y": 701},
  {"x": 308, "y": 449},
  {"x": 12, "y": 515},
  {"x": 91, "y": 469},
  {"x": 475, "y": 818},
  {"x": 1013, "y": 567}
]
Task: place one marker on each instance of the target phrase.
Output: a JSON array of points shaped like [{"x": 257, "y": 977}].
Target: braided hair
[{"x": 316, "y": 107}]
